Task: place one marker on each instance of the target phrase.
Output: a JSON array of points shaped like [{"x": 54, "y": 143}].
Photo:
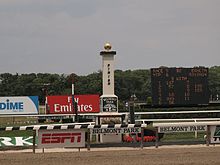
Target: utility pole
[
  {"x": 74, "y": 104},
  {"x": 131, "y": 110}
]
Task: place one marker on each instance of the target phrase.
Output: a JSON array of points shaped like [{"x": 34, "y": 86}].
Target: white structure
[{"x": 109, "y": 101}]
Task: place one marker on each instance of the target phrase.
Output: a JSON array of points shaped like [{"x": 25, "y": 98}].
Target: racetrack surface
[{"x": 147, "y": 156}]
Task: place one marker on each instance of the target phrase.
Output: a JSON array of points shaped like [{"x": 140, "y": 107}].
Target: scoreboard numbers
[{"x": 179, "y": 86}]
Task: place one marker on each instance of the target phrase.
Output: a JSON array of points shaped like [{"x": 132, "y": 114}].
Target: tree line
[{"x": 127, "y": 83}]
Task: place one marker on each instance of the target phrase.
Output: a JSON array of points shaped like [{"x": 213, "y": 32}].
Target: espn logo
[{"x": 48, "y": 138}]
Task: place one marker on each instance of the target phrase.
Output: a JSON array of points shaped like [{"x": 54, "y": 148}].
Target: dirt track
[{"x": 160, "y": 156}]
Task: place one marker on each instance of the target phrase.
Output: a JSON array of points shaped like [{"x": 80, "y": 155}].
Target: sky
[{"x": 66, "y": 36}]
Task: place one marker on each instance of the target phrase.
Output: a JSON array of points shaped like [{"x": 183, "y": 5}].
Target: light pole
[
  {"x": 72, "y": 80},
  {"x": 45, "y": 90},
  {"x": 74, "y": 104},
  {"x": 131, "y": 110}
]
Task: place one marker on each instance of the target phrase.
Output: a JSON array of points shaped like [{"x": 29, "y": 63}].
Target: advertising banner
[
  {"x": 215, "y": 134},
  {"x": 63, "y": 104},
  {"x": 19, "y": 105},
  {"x": 115, "y": 130},
  {"x": 61, "y": 138},
  {"x": 16, "y": 141},
  {"x": 193, "y": 128}
]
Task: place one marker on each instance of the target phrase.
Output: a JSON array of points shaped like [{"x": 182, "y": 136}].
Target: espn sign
[
  {"x": 61, "y": 138},
  {"x": 63, "y": 104}
]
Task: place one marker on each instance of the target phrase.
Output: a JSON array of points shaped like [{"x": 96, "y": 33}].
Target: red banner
[{"x": 63, "y": 104}]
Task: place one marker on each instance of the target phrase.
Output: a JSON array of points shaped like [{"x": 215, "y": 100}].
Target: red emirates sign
[{"x": 63, "y": 104}]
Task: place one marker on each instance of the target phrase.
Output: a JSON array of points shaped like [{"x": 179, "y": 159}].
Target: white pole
[
  {"x": 73, "y": 101},
  {"x": 45, "y": 106},
  {"x": 196, "y": 132},
  {"x": 72, "y": 89}
]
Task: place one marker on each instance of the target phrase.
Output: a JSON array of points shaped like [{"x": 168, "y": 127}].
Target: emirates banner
[{"x": 64, "y": 104}]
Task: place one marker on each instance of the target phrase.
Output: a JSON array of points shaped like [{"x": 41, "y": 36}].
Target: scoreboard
[{"x": 179, "y": 86}]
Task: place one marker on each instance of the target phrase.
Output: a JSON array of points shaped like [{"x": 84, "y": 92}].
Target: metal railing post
[
  {"x": 208, "y": 135},
  {"x": 142, "y": 138},
  {"x": 88, "y": 139},
  {"x": 34, "y": 140},
  {"x": 157, "y": 138}
]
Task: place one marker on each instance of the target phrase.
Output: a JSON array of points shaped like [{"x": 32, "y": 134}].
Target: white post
[
  {"x": 196, "y": 132},
  {"x": 73, "y": 102},
  {"x": 72, "y": 89}
]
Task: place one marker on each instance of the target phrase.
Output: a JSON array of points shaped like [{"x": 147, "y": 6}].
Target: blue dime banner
[{"x": 19, "y": 105}]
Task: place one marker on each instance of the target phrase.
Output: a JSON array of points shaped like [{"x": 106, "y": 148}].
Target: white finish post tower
[{"x": 109, "y": 101}]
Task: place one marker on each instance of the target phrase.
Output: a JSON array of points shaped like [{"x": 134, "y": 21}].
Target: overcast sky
[{"x": 66, "y": 36}]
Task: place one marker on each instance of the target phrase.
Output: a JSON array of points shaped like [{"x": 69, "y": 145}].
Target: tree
[
  {"x": 214, "y": 81},
  {"x": 127, "y": 83}
]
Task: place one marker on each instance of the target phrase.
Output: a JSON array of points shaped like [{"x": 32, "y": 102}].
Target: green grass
[
  {"x": 185, "y": 136},
  {"x": 41, "y": 109},
  {"x": 16, "y": 133},
  {"x": 168, "y": 109}
]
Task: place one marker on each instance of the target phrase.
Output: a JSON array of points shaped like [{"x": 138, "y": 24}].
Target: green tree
[
  {"x": 127, "y": 83},
  {"x": 214, "y": 81}
]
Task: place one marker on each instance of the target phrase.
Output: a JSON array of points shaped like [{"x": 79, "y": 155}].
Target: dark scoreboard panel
[{"x": 179, "y": 86}]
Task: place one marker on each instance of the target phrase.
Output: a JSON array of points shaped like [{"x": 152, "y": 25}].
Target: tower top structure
[
  {"x": 107, "y": 46},
  {"x": 107, "y": 50}
]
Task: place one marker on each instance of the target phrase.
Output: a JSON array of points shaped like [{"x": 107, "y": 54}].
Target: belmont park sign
[
  {"x": 115, "y": 130},
  {"x": 170, "y": 129}
]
